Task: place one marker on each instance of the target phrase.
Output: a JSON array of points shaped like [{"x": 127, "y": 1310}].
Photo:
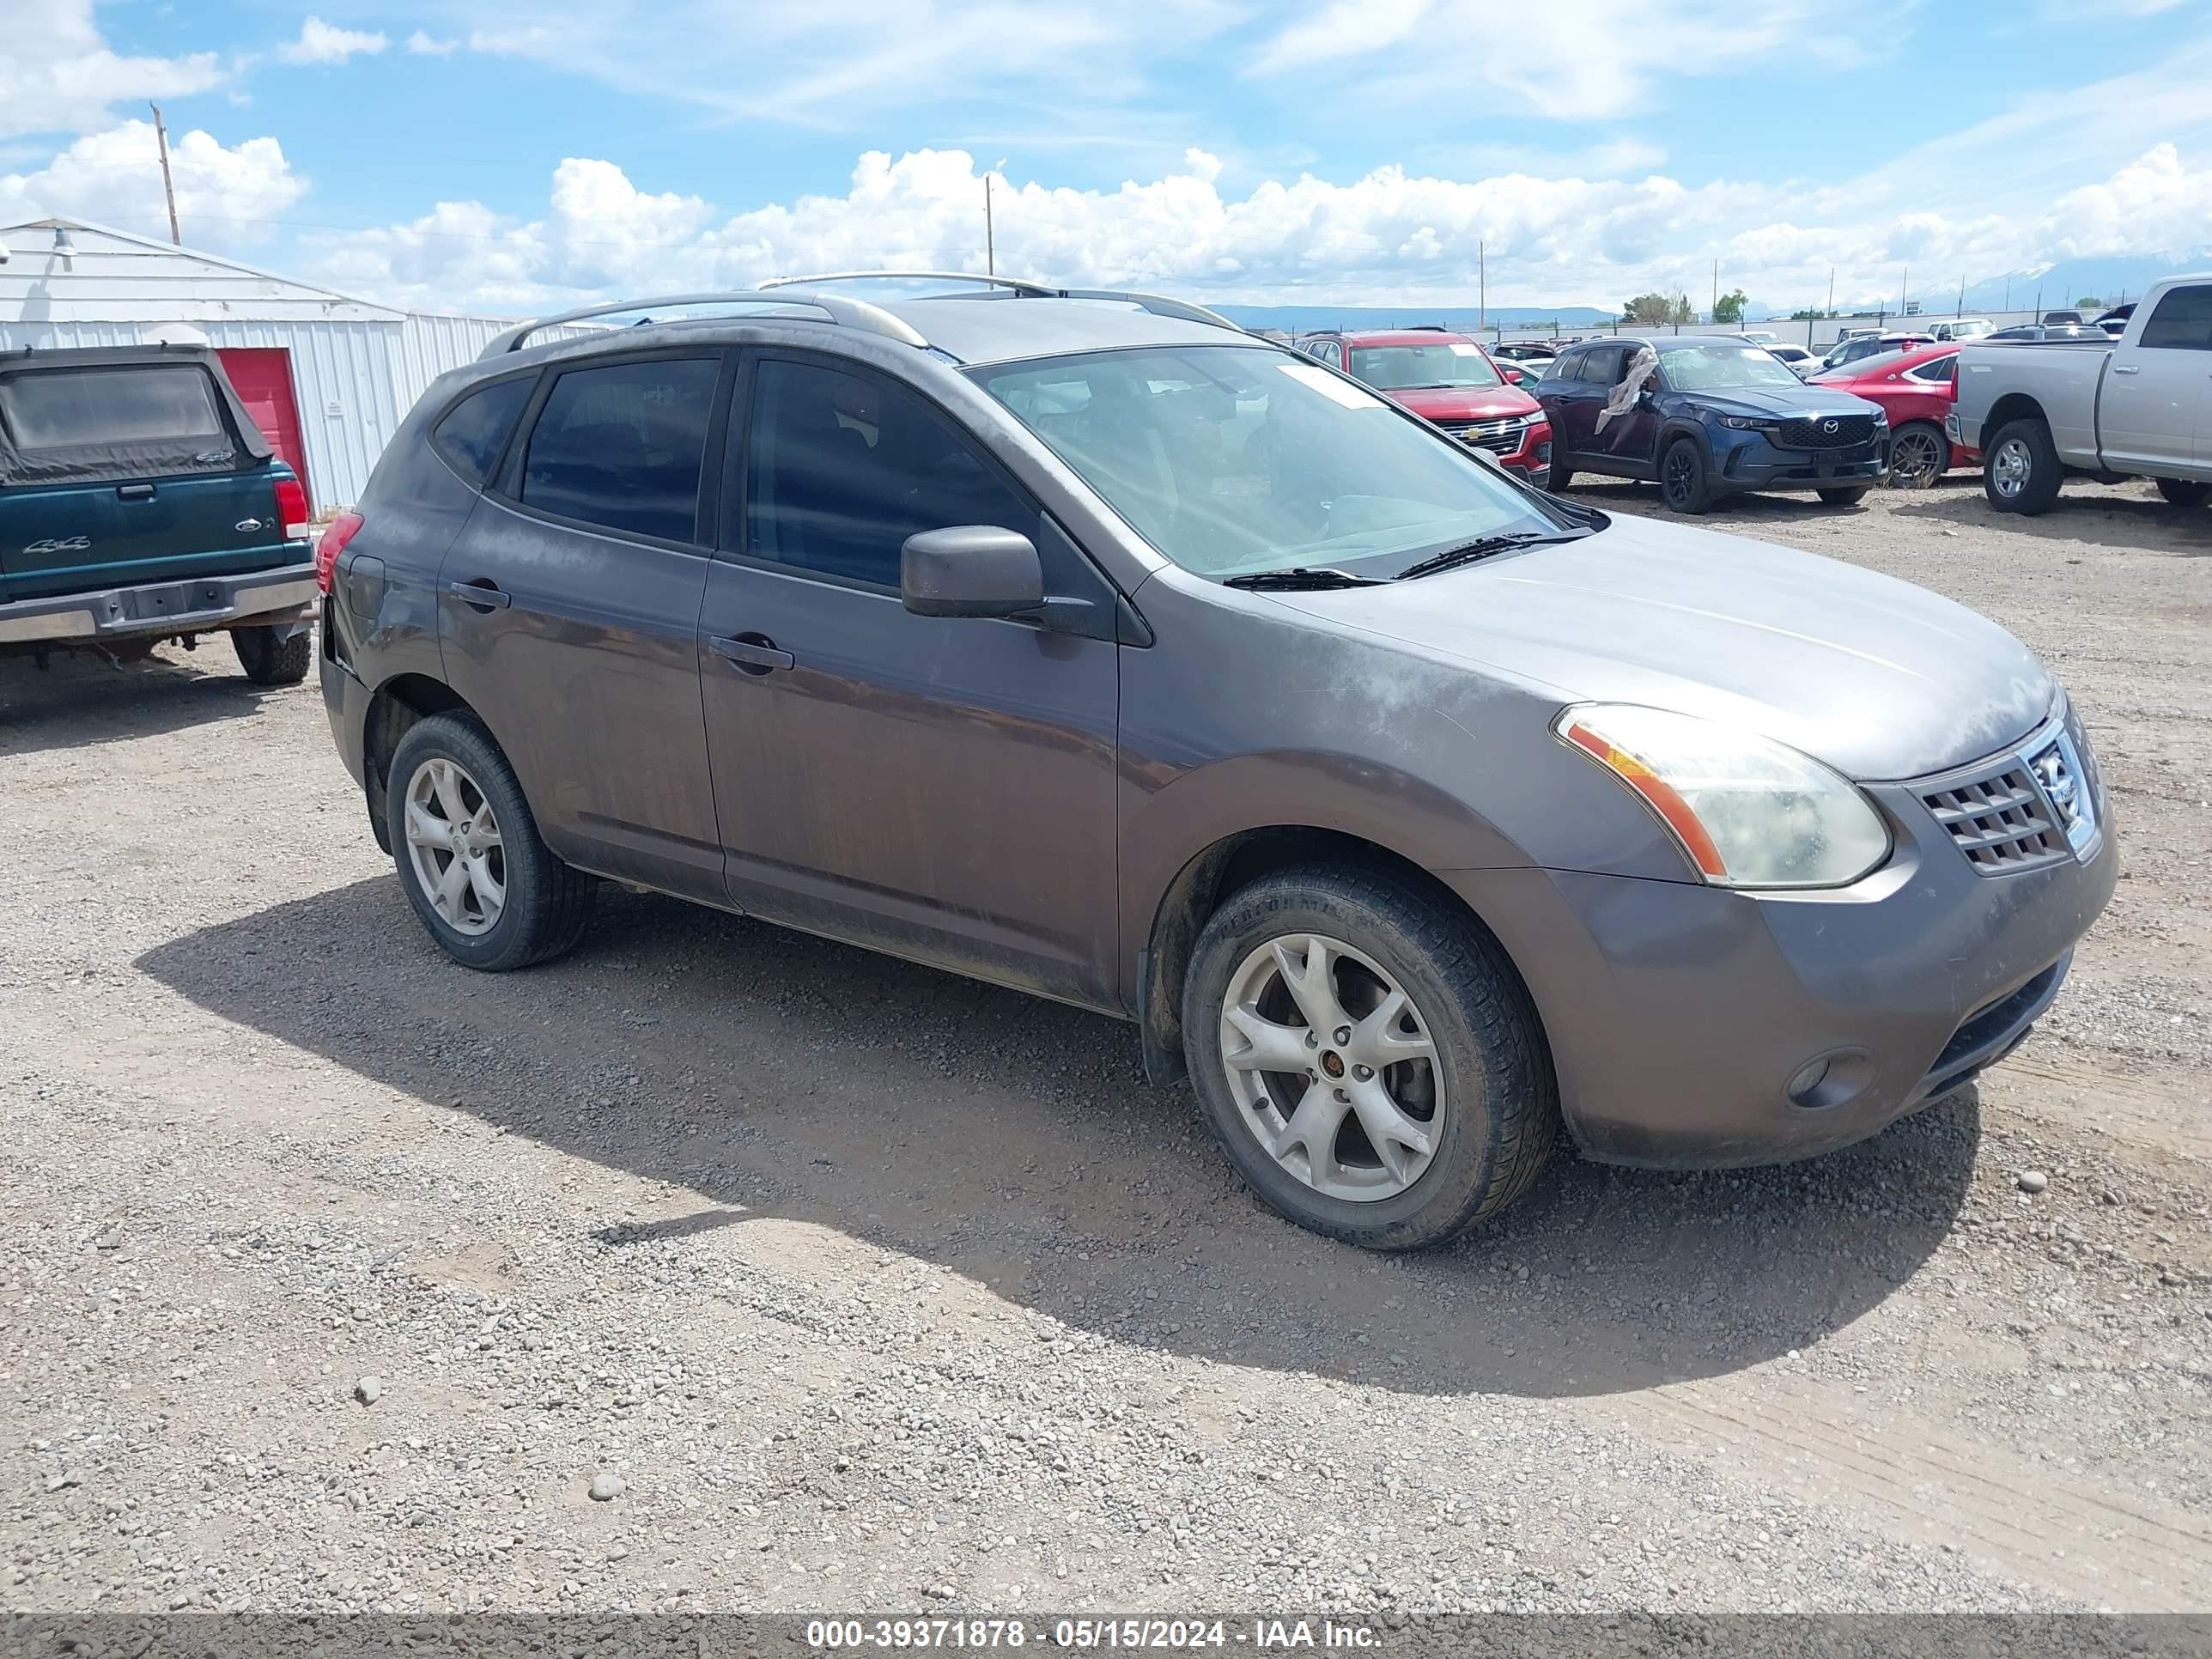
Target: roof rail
[
  {"x": 839, "y": 307},
  {"x": 1158, "y": 304}
]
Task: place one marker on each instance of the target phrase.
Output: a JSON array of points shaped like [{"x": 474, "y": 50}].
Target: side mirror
[{"x": 971, "y": 570}]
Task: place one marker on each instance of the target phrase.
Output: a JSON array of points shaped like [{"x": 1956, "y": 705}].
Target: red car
[
  {"x": 1448, "y": 379},
  {"x": 1914, "y": 389}
]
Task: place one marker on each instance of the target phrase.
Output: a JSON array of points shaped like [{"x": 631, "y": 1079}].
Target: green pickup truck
[{"x": 139, "y": 503}]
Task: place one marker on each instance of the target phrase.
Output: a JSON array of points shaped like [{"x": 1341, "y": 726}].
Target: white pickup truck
[{"x": 2138, "y": 408}]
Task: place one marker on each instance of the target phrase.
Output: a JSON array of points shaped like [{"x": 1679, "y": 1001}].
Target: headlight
[
  {"x": 1742, "y": 422},
  {"x": 1881, "y": 417},
  {"x": 1748, "y": 811}
]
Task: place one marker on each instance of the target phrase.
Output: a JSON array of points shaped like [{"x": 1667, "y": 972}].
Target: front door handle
[
  {"x": 752, "y": 654},
  {"x": 481, "y": 594},
  {"x": 2126, "y": 368},
  {"x": 134, "y": 492}
]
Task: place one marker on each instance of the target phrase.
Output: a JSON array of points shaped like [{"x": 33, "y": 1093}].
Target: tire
[
  {"x": 2183, "y": 492},
  {"x": 1492, "y": 1098},
  {"x": 543, "y": 904},
  {"x": 1847, "y": 497},
  {"x": 269, "y": 661},
  {"x": 2020, "y": 469},
  {"x": 1561, "y": 477},
  {"x": 1685, "y": 480},
  {"x": 1927, "y": 452}
]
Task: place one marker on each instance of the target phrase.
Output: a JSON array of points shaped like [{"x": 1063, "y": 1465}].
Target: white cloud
[
  {"x": 57, "y": 74},
  {"x": 1388, "y": 236},
  {"x": 426, "y": 45},
  {"x": 225, "y": 195},
  {"x": 326, "y": 43}
]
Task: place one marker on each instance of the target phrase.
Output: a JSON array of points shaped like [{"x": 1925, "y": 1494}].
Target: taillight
[
  {"x": 292, "y": 508},
  {"x": 333, "y": 543}
]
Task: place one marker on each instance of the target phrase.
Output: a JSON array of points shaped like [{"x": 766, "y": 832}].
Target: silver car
[{"x": 1088, "y": 645}]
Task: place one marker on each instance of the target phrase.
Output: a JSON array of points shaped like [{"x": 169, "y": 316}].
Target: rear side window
[
  {"x": 621, "y": 446},
  {"x": 840, "y": 470},
  {"x": 2183, "y": 320},
  {"x": 475, "y": 430},
  {"x": 70, "y": 409},
  {"x": 1603, "y": 366},
  {"x": 1941, "y": 371}
]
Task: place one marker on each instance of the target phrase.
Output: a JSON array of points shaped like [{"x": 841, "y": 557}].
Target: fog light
[
  {"x": 1543, "y": 454},
  {"x": 1830, "y": 1080}
]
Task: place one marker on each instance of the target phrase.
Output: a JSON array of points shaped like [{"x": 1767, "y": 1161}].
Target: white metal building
[{"x": 328, "y": 375}]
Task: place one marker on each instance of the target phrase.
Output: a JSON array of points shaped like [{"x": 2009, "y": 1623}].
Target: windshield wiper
[
  {"x": 1452, "y": 557},
  {"x": 1300, "y": 576}
]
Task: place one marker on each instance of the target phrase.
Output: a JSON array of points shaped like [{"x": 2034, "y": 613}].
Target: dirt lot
[{"x": 872, "y": 1288}]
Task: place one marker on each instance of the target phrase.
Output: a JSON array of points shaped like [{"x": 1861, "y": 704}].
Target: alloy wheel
[
  {"x": 1332, "y": 1067},
  {"x": 2010, "y": 466},
  {"x": 1916, "y": 458},
  {"x": 454, "y": 848},
  {"x": 1681, "y": 476}
]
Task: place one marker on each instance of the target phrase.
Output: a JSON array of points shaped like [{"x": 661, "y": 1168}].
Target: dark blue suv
[{"x": 1706, "y": 417}]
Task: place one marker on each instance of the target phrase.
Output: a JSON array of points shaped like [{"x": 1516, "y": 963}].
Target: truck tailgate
[{"x": 68, "y": 537}]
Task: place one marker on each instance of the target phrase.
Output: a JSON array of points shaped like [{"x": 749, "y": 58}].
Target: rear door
[
  {"x": 126, "y": 474},
  {"x": 2154, "y": 407},
  {"x": 569, "y": 611}
]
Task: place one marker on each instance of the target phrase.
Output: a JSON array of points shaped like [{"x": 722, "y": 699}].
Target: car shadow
[
  {"x": 78, "y": 700},
  {"x": 759, "y": 1073},
  {"x": 2095, "y": 513}
]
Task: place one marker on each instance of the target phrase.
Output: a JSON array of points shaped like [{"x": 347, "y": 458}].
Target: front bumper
[
  {"x": 1680, "y": 1017},
  {"x": 201, "y": 605},
  {"x": 1757, "y": 464}
]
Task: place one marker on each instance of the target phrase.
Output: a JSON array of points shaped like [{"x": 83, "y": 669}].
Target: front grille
[
  {"x": 1999, "y": 819},
  {"x": 1504, "y": 436},
  {"x": 1825, "y": 432}
]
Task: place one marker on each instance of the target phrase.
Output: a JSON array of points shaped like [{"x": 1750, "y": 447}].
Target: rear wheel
[
  {"x": 268, "y": 660},
  {"x": 2184, "y": 492},
  {"x": 1849, "y": 496},
  {"x": 491, "y": 892},
  {"x": 1682, "y": 480},
  {"x": 1369, "y": 1060},
  {"x": 2020, "y": 472},
  {"x": 1919, "y": 454}
]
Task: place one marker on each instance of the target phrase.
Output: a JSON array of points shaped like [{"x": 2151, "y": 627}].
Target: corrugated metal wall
[{"x": 354, "y": 382}]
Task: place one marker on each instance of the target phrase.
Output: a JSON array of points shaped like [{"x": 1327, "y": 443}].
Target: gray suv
[{"x": 1085, "y": 644}]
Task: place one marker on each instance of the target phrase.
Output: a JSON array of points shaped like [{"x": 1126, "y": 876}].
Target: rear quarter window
[
  {"x": 2182, "y": 322},
  {"x": 73, "y": 409},
  {"x": 475, "y": 431}
]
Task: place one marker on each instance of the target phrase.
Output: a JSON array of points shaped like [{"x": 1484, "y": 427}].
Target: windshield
[
  {"x": 1234, "y": 459},
  {"x": 1716, "y": 368},
  {"x": 1880, "y": 362},
  {"x": 1421, "y": 368}
]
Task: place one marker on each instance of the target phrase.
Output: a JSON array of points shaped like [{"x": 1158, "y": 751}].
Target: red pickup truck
[{"x": 1448, "y": 379}]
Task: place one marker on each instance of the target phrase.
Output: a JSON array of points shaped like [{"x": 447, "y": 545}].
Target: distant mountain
[
  {"x": 2062, "y": 283},
  {"x": 1296, "y": 320}
]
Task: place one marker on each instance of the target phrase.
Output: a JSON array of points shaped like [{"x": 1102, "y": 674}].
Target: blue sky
[{"x": 477, "y": 152}]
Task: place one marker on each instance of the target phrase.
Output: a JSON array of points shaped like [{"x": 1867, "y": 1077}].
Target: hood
[
  {"x": 1810, "y": 397},
  {"x": 1878, "y": 678},
  {"x": 1461, "y": 403}
]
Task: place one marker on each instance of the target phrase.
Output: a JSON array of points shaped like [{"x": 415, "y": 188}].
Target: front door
[
  {"x": 568, "y": 613},
  {"x": 940, "y": 787},
  {"x": 2156, "y": 394}
]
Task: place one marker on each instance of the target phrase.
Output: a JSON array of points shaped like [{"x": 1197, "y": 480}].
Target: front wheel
[
  {"x": 268, "y": 660},
  {"x": 2184, "y": 492},
  {"x": 1369, "y": 1060},
  {"x": 2020, "y": 472},
  {"x": 475, "y": 870},
  {"x": 1561, "y": 476},
  {"x": 1919, "y": 454},
  {"x": 1683, "y": 483},
  {"x": 1850, "y": 496}
]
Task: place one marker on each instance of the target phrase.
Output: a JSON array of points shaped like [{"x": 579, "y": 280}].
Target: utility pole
[
  {"x": 1482, "y": 286},
  {"x": 2038, "y": 302},
  {"x": 1962, "y": 294},
  {"x": 168, "y": 188},
  {"x": 1904, "y": 292},
  {"x": 990, "y": 236},
  {"x": 1717, "y": 291}
]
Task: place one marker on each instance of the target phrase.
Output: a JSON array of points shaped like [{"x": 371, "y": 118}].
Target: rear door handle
[
  {"x": 2126, "y": 368},
  {"x": 752, "y": 654},
  {"x": 134, "y": 492},
  {"x": 482, "y": 594}
]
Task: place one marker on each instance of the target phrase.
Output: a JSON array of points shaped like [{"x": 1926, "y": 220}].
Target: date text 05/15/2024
[{"x": 1111, "y": 1634}]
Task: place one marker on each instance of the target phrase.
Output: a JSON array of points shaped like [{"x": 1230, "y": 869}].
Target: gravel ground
[{"x": 715, "y": 1267}]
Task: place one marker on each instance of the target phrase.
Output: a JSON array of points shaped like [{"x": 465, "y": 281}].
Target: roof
[
  {"x": 999, "y": 327},
  {"x": 108, "y": 275},
  {"x": 1394, "y": 337}
]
